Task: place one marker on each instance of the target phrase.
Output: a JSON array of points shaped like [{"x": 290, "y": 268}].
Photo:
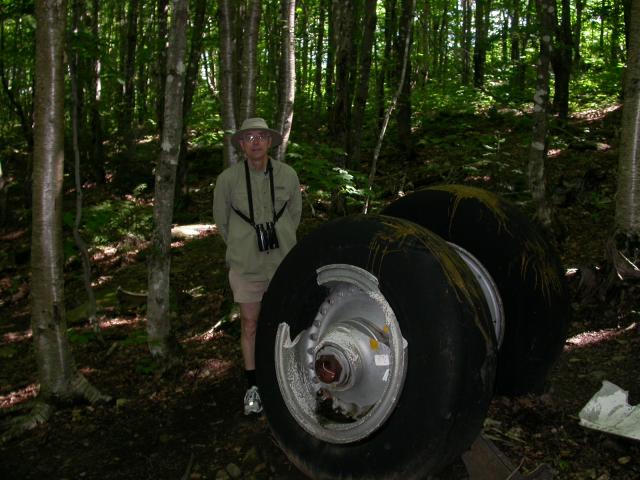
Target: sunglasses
[{"x": 260, "y": 137}]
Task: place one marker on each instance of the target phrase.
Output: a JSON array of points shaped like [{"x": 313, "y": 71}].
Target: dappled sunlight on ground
[
  {"x": 595, "y": 114},
  {"x": 19, "y": 396},
  {"x": 14, "y": 234},
  {"x": 14, "y": 337},
  {"x": 586, "y": 339},
  {"x": 208, "y": 336},
  {"x": 195, "y": 230},
  {"x": 120, "y": 321},
  {"x": 211, "y": 370}
]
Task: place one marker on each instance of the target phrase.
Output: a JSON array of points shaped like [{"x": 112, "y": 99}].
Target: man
[{"x": 256, "y": 206}]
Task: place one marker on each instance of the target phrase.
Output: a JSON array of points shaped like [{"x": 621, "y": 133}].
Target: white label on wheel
[
  {"x": 381, "y": 360},
  {"x": 385, "y": 377}
]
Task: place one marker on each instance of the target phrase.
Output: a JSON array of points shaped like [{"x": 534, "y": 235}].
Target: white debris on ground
[
  {"x": 195, "y": 230},
  {"x": 609, "y": 411}
]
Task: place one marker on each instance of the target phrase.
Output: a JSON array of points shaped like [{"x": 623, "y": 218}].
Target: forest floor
[{"x": 191, "y": 425}]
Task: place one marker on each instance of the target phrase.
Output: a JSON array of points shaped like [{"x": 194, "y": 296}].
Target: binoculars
[{"x": 266, "y": 235}]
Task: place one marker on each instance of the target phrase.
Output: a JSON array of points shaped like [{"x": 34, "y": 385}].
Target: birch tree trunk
[
  {"x": 162, "y": 343},
  {"x": 227, "y": 90},
  {"x": 625, "y": 245},
  {"x": 538, "y": 149},
  {"x": 60, "y": 381},
  {"x": 249, "y": 63},
  {"x": 287, "y": 76}
]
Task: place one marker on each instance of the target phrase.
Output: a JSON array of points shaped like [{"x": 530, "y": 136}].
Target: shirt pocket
[
  {"x": 282, "y": 196},
  {"x": 240, "y": 201}
]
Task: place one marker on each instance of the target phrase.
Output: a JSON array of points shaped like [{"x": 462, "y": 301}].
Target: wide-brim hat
[{"x": 256, "y": 123}]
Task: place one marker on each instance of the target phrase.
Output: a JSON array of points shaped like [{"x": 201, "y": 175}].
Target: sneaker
[{"x": 252, "y": 402}]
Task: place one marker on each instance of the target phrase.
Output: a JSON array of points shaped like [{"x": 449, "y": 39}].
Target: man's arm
[
  {"x": 221, "y": 205},
  {"x": 295, "y": 201}
]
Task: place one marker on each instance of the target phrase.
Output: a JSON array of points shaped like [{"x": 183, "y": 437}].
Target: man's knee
[{"x": 249, "y": 317}]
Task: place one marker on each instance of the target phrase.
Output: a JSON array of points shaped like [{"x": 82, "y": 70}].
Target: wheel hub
[{"x": 341, "y": 378}]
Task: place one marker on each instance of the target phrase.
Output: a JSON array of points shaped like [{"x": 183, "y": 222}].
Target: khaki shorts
[{"x": 246, "y": 291}]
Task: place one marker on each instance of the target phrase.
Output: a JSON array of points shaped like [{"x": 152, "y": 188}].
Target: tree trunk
[
  {"x": 577, "y": 33},
  {"x": 615, "y": 46},
  {"x": 190, "y": 83},
  {"x": 516, "y": 55},
  {"x": 390, "y": 27},
  {"x": 480, "y": 47},
  {"x": 341, "y": 109},
  {"x": 80, "y": 244},
  {"x": 319, "y": 56},
  {"x": 287, "y": 76},
  {"x": 127, "y": 131},
  {"x": 97, "y": 149},
  {"x": 538, "y": 149},
  {"x": 162, "y": 343},
  {"x": 385, "y": 121},
  {"x": 11, "y": 88},
  {"x": 140, "y": 110},
  {"x": 561, "y": 59},
  {"x": 227, "y": 89},
  {"x": 302, "y": 77},
  {"x": 60, "y": 381},
  {"x": 626, "y": 11},
  {"x": 249, "y": 63},
  {"x": 362, "y": 92},
  {"x": 403, "y": 118},
  {"x": 4, "y": 184},
  {"x": 625, "y": 244},
  {"x": 332, "y": 8},
  {"x": 466, "y": 41},
  {"x": 161, "y": 61}
]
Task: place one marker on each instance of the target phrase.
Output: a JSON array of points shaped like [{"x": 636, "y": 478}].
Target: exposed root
[
  {"x": 81, "y": 388},
  {"x": 42, "y": 409},
  {"x": 40, "y": 413}
]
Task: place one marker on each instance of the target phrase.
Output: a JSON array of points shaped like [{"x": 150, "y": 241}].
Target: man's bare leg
[{"x": 249, "y": 313}]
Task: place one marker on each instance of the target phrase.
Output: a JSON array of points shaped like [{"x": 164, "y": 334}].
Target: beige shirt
[{"x": 242, "y": 253}]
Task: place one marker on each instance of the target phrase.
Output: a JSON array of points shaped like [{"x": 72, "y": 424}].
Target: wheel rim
[
  {"x": 489, "y": 289},
  {"x": 341, "y": 378}
]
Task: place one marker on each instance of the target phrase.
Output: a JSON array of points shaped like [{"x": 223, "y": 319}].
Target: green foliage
[
  {"x": 135, "y": 338},
  {"x": 77, "y": 337},
  {"x": 598, "y": 85},
  {"x": 8, "y": 351},
  {"x": 146, "y": 366},
  {"x": 315, "y": 165},
  {"x": 599, "y": 204},
  {"x": 452, "y": 97},
  {"x": 112, "y": 220}
]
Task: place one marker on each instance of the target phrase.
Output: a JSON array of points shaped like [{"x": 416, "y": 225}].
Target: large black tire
[
  {"x": 444, "y": 319},
  {"x": 523, "y": 265}
]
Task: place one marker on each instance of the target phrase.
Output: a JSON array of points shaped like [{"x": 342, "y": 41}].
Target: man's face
[{"x": 255, "y": 144}]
